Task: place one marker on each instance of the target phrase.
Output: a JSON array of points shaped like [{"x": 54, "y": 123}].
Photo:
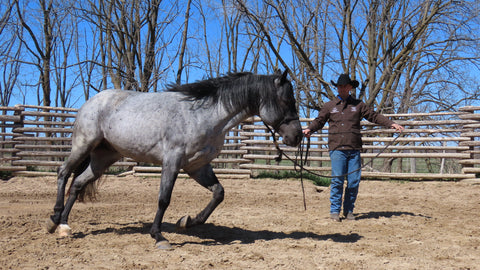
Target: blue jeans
[{"x": 343, "y": 162}]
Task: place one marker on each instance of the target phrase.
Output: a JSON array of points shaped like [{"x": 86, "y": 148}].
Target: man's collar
[{"x": 341, "y": 99}]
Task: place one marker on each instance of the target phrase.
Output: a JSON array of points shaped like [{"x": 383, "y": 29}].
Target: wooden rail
[{"x": 35, "y": 140}]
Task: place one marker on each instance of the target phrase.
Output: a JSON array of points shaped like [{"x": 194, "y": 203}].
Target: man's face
[{"x": 344, "y": 90}]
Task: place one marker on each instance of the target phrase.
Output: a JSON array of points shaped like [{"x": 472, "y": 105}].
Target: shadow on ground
[
  {"x": 386, "y": 214},
  {"x": 216, "y": 234}
]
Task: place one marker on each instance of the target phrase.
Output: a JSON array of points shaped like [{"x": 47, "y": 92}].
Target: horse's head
[{"x": 278, "y": 110}]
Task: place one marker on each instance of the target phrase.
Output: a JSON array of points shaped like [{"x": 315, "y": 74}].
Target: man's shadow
[
  {"x": 387, "y": 214},
  {"x": 216, "y": 234}
]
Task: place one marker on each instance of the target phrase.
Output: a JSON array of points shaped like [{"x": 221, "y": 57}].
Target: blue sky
[{"x": 30, "y": 76}]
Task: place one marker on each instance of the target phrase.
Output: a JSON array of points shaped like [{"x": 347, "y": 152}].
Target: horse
[{"x": 183, "y": 127}]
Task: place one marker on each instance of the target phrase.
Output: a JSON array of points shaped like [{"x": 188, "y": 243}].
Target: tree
[
  {"x": 183, "y": 47},
  {"x": 9, "y": 51},
  {"x": 39, "y": 43},
  {"x": 130, "y": 40},
  {"x": 395, "y": 47},
  {"x": 408, "y": 55}
]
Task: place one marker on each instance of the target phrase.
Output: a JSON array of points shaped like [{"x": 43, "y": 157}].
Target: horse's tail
[{"x": 89, "y": 192}]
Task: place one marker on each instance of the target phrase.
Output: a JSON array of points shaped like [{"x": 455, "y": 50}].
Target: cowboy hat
[{"x": 344, "y": 79}]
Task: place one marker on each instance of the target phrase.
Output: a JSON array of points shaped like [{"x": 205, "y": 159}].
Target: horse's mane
[
  {"x": 230, "y": 89},
  {"x": 208, "y": 88}
]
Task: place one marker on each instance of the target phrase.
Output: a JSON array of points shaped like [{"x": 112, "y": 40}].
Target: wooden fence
[{"x": 35, "y": 140}]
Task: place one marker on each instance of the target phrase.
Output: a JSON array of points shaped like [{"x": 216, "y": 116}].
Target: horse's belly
[
  {"x": 135, "y": 141},
  {"x": 152, "y": 148},
  {"x": 140, "y": 152}
]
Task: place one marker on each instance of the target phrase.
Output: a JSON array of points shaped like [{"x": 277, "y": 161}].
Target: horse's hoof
[
  {"x": 182, "y": 223},
  {"x": 50, "y": 225},
  {"x": 164, "y": 245},
  {"x": 64, "y": 230}
]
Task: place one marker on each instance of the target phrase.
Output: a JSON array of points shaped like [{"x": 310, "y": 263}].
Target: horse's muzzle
[{"x": 291, "y": 133}]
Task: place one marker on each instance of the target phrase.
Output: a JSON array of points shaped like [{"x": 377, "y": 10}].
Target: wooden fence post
[
  {"x": 469, "y": 130},
  {"x": 17, "y": 125},
  {"x": 413, "y": 161}
]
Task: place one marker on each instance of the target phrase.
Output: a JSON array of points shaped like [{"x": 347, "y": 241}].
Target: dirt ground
[{"x": 260, "y": 225}]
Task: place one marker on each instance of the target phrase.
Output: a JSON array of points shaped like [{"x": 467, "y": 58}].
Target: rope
[
  {"x": 343, "y": 175},
  {"x": 279, "y": 158},
  {"x": 302, "y": 166},
  {"x": 303, "y": 162}
]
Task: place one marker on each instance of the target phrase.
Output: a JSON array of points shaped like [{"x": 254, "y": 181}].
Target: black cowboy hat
[{"x": 344, "y": 79}]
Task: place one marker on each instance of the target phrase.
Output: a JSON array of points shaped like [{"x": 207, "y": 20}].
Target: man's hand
[
  {"x": 398, "y": 127},
  {"x": 307, "y": 132}
]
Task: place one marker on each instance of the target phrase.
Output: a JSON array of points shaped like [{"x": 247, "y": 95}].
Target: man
[{"x": 344, "y": 114}]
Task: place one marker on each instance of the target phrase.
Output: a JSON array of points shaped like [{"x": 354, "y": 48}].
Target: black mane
[
  {"x": 236, "y": 90},
  {"x": 208, "y": 88}
]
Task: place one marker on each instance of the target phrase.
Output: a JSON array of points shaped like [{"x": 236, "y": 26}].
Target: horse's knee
[
  {"x": 218, "y": 192},
  {"x": 64, "y": 172},
  {"x": 76, "y": 187}
]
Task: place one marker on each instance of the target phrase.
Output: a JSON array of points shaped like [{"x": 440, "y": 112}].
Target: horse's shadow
[{"x": 216, "y": 234}]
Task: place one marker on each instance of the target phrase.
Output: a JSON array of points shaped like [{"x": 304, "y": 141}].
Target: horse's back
[
  {"x": 136, "y": 124},
  {"x": 105, "y": 100},
  {"x": 109, "y": 103}
]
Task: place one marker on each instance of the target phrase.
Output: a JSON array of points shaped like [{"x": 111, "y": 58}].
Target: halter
[
  {"x": 284, "y": 121},
  {"x": 276, "y": 127}
]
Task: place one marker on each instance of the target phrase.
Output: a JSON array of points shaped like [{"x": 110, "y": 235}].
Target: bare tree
[
  {"x": 395, "y": 47},
  {"x": 9, "y": 51},
  {"x": 183, "y": 47},
  {"x": 278, "y": 33},
  {"x": 230, "y": 44},
  {"x": 40, "y": 45},
  {"x": 130, "y": 40},
  {"x": 408, "y": 55},
  {"x": 65, "y": 77},
  {"x": 88, "y": 70}
]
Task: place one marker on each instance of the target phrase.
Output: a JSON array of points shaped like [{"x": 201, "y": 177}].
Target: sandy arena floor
[{"x": 260, "y": 225}]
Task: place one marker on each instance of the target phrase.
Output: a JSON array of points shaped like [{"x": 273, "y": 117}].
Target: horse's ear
[{"x": 282, "y": 77}]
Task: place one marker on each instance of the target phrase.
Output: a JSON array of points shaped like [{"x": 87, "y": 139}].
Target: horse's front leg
[
  {"x": 169, "y": 176},
  {"x": 207, "y": 178}
]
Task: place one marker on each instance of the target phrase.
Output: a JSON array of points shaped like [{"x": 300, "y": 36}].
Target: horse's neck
[
  {"x": 228, "y": 120},
  {"x": 237, "y": 119},
  {"x": 225, "y": 119}
]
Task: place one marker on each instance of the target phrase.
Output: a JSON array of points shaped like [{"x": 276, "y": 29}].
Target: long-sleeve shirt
[{"x": 344, "y": 122}]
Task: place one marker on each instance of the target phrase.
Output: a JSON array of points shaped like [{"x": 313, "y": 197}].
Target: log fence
[{"x": 35, "y": 140}]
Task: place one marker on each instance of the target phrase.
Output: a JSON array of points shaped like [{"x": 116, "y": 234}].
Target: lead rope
[
  {"x": 302, "y": 165},
  {"x": 363, "y": 166},
  {"x": 279, "y": 158},
  {"x": 303, "y": 162}
]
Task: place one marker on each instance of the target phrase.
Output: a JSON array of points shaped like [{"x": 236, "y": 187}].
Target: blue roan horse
[{"x": 181, "y": 128}]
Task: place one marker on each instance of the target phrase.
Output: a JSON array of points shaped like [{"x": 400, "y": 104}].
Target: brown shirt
[{"x": 344, "y": 122}]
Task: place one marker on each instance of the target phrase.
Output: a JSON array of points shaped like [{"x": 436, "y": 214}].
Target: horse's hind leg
[
  {"x": 207, "y": 178},
  {"x": 78, "y": 156},
  {"x": 100, "y": 159}
]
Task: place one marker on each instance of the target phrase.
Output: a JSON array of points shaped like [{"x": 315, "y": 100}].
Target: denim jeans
[{"x": 343, "y": 162}]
